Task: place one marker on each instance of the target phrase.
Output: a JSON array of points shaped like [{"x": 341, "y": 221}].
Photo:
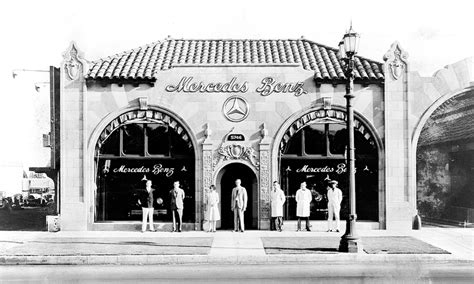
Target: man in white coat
[
  {"x": 239, "y": 205},
  {"x": 334, "y": 195},
  {"x": 277, "y": 201},
  {"x": 303, "y": 201}
]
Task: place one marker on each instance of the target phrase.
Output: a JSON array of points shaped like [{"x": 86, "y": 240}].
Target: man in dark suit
[
  {"x": 145, "y": 200},
  {"x": 177, "y": 196}
]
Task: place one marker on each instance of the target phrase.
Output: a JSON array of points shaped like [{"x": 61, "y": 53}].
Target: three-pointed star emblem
[{"x": 235, "y": 108}]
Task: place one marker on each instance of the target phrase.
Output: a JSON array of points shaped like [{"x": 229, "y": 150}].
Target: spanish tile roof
[
  {"x": 452, "y": 121},
  {"x": 146, "y": 62}
]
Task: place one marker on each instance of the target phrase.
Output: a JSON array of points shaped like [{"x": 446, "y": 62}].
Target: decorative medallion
[
  {"x": 72, "y": 62},
  {"x": 396, "y": 60},
  {"x": 235, "y": 109}
]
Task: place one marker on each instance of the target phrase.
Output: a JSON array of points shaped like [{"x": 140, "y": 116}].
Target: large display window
[
  {"x": 316, "y": 153},
  {"x": 135, "y": 151}
]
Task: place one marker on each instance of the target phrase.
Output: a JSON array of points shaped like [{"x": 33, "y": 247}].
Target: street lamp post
[{"x": 348, "y": 47}]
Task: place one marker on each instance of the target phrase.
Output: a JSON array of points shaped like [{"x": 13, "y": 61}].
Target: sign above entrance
[{"x": 268, "y": 86}]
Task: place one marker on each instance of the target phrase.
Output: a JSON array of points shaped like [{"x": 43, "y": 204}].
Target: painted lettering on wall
[
  {"x": 339, "y": 169},
  {"x": 268, "y": 86},
  {"x": 187, "y": 85},
  {"x": 156, "y": 170}
]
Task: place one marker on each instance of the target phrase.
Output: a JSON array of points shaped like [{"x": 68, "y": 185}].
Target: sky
[{"x": 35, "y": 34}]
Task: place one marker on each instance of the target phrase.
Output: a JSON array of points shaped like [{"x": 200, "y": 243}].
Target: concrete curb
[{"x": 205, "y": 259}]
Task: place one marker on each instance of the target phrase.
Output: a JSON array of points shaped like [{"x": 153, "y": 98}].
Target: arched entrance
[
  {"x": 444, "y": 162},
  {"x": 225, "y": 183}
]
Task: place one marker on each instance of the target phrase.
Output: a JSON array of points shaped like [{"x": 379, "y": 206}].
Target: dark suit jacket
[{"x": 145, "y": 197}]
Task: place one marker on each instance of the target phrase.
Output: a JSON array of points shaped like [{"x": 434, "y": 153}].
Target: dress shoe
[
  {"x": 241, "y": 231},
  {"x": 337, "y": 231},
  {"x": 308, "y": 229}
]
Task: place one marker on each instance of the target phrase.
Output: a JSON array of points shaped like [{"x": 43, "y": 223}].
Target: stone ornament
[
  {"x": 73, "y": 62},
  {"x": 396, "y": 59},
  {"x": 235, "y": 151},
  {"x": 235, "y": 109}
]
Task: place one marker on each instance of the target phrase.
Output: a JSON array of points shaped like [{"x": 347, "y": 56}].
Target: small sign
[{"x": 236, "y": 137}]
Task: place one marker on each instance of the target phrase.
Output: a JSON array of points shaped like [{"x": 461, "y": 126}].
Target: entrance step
[
  {"x": 322, "y": 225},
  {"x": 236, "y": 244},
  {"x": 137, "y": 226}
]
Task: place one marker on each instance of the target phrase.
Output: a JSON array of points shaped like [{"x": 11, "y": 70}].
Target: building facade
[{"x": 206, "y": 112}]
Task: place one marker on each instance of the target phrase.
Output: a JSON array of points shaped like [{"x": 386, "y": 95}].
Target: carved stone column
[
  {"x": 264, "y": 181},
  {"x": 207, "y": 168}
]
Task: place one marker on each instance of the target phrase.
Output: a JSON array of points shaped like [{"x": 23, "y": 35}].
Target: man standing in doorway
[
  {"x": 277, "y": 201},
  {"x": 334, "y": 195},
  {"x": 239, "y": 205},
  {"x": 145, "y": 200},
  {"x": 303, "y": 201},
  {"x": 177, "y": 196}
]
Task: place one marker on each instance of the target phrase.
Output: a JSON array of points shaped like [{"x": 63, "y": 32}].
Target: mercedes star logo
[{"x": 235, "y": 108}]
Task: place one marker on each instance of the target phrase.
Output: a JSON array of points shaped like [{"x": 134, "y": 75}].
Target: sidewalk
[{"x": 223, "y": 247}]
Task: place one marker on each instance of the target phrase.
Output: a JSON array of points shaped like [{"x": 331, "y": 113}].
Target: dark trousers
[
  {"x": 277, "y": 223},
  {"x": 308, "y": 225},
  {"x": 177, "y": 218}
]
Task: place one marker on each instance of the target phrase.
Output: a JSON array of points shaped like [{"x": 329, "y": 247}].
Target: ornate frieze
[{"x": 231, "y": 150}]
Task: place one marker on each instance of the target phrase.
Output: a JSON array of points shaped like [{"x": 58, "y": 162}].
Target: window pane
[
  {"x": 179, "y": 147},
  {"x": 294, "y": 145},
  {"x": 133, "y": 139},
  {"x": 158, "y": 139},
  {"x": 337, "y": 139},
  {"x": 315, "y": 139},
  {"x": 111, "y": 145}
]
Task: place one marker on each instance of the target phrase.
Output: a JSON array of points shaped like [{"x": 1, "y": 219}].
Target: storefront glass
[
  {"x": 315, "y": 154},
  {"x": 134, "y": 151}
]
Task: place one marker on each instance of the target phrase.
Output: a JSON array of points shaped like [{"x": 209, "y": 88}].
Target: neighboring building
[{"x": 210, "y": 111}]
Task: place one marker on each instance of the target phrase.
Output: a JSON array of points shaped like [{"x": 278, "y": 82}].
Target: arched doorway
[
  {"x": 225, "y": 183},
  {"x": 444, "y": 162}
]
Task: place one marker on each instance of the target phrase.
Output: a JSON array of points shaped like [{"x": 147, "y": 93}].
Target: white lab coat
[
  {"x": 277, "y": 201},
  {"x": 303, "y": 200}
]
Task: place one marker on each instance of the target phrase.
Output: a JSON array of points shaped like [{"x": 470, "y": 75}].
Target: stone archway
[
  {"x": 443, "y": 144},
  {"x": 336, "y": 114},
  {"x": 130, "y": 115},
  {"x": 225, "y": 183}
]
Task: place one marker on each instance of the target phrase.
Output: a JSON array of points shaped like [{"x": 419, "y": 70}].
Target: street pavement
[
  {"x": 259, "y": 273},
  {"x": 225, "y": 247}
]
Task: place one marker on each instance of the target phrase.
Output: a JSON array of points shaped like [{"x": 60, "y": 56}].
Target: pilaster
[{"x": 398, "y": 210}]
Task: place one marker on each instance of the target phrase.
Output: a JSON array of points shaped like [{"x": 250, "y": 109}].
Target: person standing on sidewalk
[
  {"x": 334, "y": 195},
  {"x": 277, "y": 201},
  {"x": 177, "y": 206},
  {"x": 303, "y": 201},
  {"x": 239, "y": 205},
  {"x": 213, "y": 208},
  {"x": 145, "y": 200}
]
